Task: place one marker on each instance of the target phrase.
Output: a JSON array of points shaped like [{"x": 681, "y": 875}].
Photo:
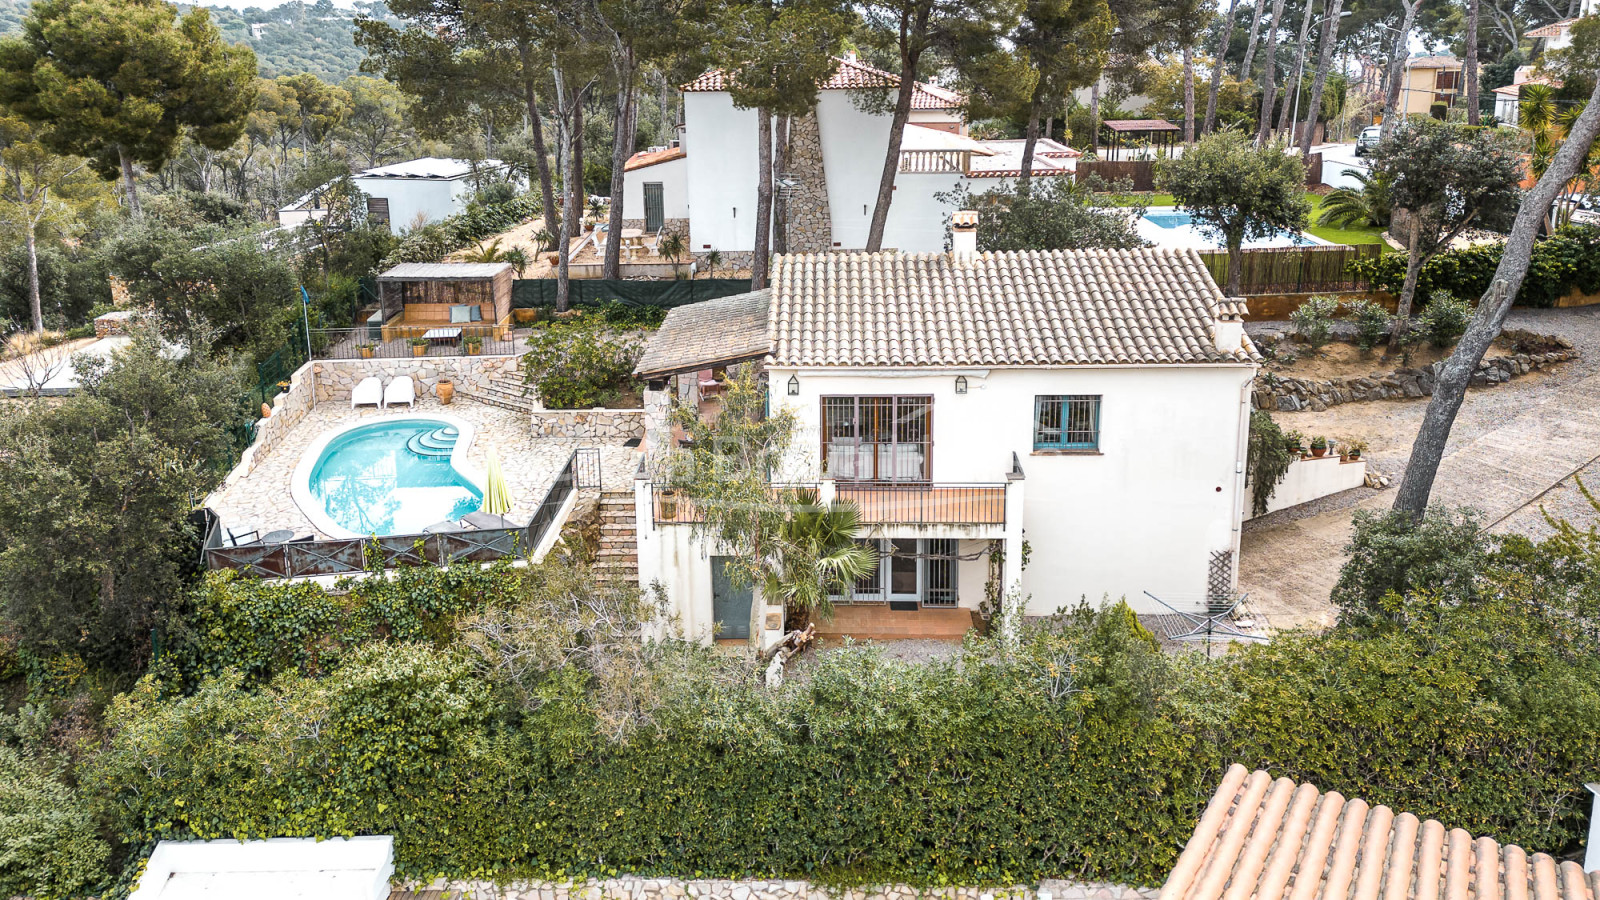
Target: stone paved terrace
[{"x": 262, "y": 501}]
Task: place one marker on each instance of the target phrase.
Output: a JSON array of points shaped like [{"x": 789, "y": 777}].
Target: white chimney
[
  {"x": 964, "y": 235},
  {"x": 1229, "y": 329}
]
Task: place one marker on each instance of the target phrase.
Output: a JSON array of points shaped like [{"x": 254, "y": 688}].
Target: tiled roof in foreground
[
  {"x": 707, "y": 334},
  {"x": 1036, "y": 308},
  {"x": 1262, "y": 839}
]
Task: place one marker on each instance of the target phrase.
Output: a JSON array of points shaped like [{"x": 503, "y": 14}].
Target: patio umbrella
[{"x": 496, "y": 493}]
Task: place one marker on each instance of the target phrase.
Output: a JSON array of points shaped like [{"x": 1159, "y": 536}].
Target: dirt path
[{"x": 1515, "y": 448}]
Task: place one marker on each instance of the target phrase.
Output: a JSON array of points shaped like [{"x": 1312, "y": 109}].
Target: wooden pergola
[
  {"x": 1127, "y": 134},
  {"x": 417, "y": 297}
]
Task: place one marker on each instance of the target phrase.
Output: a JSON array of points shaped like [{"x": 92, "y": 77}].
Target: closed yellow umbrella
[{"x": 496, "y": 493}]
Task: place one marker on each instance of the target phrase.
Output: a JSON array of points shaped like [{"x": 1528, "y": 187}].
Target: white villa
[
  {"x": 405, "y": 194},
  {"x": 1065, "y": 424},
  {"x": 1556, "y": 36},
  {"x": 704, "y": 184}
]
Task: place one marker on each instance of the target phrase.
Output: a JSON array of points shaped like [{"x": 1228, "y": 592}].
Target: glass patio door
[{"x": 881, "y": 439}]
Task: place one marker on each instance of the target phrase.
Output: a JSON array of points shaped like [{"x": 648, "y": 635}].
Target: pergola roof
[
  {"x": 708, "y": 334},
  {"x": 444, "y": 271},
  {"x": 1125, "y": 126}
]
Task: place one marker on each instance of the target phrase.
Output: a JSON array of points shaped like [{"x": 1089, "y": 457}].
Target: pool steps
[{"x": 439, "y": 443}]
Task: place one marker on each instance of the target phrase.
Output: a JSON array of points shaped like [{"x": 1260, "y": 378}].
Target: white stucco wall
[
  {"x": 721, "y": 172},
  {"x": 674, "y": 180},
  {"x": 1309, "y": 479},
  {"x": 1165, "y": 489},
  {"x": 853, "y": 146},
  {"x": 434, "y": 199}
]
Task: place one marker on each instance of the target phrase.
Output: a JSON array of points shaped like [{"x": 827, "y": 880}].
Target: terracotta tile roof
[
  {"x": 1554, "y": 29},
  {"x": 1016, "y": 308},
  {"x": 1433, "y": 62},
  {"x": 851, "y": 74},
  {"x": 1262, "y": 839},
  {"x": 650, "y": 158},
  {"x": 710, "y": 333}
]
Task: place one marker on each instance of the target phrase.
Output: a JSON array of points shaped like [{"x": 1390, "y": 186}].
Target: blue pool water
[
  {"x": 1179, "y": 219},
  {"x": 392, "y": 478}
]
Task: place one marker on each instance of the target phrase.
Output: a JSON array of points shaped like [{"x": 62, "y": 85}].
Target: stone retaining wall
[
  {"x": 337, "y": 377},
  {"x": 607, "y": 424},
  {"x": 1288, "y": 394},
  {"x": 288, "y": 408},
  {"x": 671, "y": 889}
]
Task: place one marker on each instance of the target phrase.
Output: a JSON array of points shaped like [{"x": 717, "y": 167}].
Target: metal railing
[
  {"x": 345, "y": 556},
  {"x": 368, "y": 343},
  {"x": 935, "y": 161}
]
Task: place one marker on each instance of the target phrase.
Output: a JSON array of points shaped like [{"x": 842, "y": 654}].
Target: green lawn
[{"x": 1366, "y": 234}]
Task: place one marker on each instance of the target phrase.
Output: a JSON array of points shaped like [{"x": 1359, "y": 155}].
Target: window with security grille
[{"x": 1066, "y": 422}]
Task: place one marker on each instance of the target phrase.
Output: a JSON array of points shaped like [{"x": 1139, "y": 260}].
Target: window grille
[{"x": 1066, "y": 422}]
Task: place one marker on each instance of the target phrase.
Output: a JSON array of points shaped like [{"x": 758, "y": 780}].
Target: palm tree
[
  {"x": 493, "y": 253},
  {"x": 1366, "y": 205},
  {"x": 672, "y": 246},
  {"x": 1547, "y": 126},
  {"x": 815, "y": 555}
]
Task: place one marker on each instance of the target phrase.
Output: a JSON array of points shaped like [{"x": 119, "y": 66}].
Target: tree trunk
[
  {"x": 1330, "y": 37},
  {"x": 1469, "y": 65},
  {"x": 758, "y": 262},
  {"x": 127, "y": 180},
  {"x": 536, "y": 126},
  {"x": 1408, "y": 290},
  {"x": 1030, "y": 141},
  {"x": 1188, "y": 93},
  {"x": 621, "y": 149},
  {"x": 1250, "y": 46},
  {"x": 891, "y": 160},
  {"x": 1235, "y": 264},
  {"x": 1216, "y": 70},
  {"x": 780, "y": 205},
  {"x": 1428, "y": 449},
  {"x": 34, "y": 305},
  {"x": 575, "y": 192},
  {"x": 573, "y": 188},
  {"x": 1397, "y": 62},
  {"x": 1291, "y": 89},
  {"x": 1269, "y": 75},
  {"x": 1094, "y": 117}
]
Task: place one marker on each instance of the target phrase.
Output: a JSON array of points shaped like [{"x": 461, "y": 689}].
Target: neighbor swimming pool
[
  {"x": 395, "y": 475},
  {"x": 1167, "y": 226}
]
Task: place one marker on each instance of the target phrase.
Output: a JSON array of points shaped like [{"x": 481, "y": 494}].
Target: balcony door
[{"x": 877, "y": 438}]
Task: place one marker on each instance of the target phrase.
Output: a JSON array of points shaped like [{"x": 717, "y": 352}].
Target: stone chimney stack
[{"x": 964, "y": 235}]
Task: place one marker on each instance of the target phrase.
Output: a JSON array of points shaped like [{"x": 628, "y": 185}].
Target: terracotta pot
[
  {"x": 446, "y": 390},
  {"x": 417, "y": 350},
  {"x": 474, "y": 349},
  {"x": 366, "y": 352},
  {"x": 1355, "y": 454},
  {"x": 1319, "y": 452}
]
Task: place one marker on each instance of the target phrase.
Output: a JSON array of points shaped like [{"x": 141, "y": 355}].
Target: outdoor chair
[
  {"x": 401, "y": 390},
  {"x": 240, "y": 538},
  {"x": 369, "y": 391}
]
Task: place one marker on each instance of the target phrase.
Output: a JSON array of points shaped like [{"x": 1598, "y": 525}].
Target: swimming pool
[
  {"x": 394, "y": 475},
  {"x": 1167, "y": 226}
]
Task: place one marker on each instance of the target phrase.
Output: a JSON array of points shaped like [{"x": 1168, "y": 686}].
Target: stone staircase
[
  {"x": 504, "y": 391},
  {"x": 617, "y": 561}
]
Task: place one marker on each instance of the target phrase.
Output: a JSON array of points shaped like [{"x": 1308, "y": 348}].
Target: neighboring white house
[
  {"x": 1091, "y": 404},
  {"x": 704, "y": 185},
  {"x": 1558, "y": 35},
  {"x": 406, "y": 194}
]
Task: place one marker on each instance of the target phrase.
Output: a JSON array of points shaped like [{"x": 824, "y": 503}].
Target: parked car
[
  {"x": 1587, "y": 211},
  {"x": 1368, "y": 139}
]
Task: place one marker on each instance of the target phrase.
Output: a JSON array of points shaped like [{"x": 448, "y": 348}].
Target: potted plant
[
  {"x": 1295, "y": 443},
  {"x": 668, "y": 499},
  {"x": 1319, "y": 446},
  {"x": 446, "y": 389},
  {"x": 473, "y": 344},
  {"x": 1353, "y": 448},
  {"x": 419, "y": 346},
  {"x": 366, "y": 349}
]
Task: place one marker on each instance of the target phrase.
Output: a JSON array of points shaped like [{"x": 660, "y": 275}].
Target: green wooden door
[
  {"x": 730, "y": 603},
  {"x": 655, "y": 212}
]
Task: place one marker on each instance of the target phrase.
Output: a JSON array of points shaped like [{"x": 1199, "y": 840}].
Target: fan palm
[
  {"x": 1364, "y": 205},
  {"x": 815, "y": 554}
]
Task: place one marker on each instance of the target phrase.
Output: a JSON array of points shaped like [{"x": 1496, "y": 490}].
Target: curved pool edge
[{"x": 300, "y": 481}]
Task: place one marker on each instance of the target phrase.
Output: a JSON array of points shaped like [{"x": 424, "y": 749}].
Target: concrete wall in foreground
[{"x": 337, "y": 377}]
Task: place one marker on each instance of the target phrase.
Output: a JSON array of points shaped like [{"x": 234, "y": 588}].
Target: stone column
[
  {"x": 810, "y": 225},
  {"x": 657, "y": 421}
]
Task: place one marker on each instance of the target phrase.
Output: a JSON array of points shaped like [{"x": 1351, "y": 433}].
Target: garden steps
[
  {"x": 503, "y": 391},
  {"x": 617, "y": 560}
]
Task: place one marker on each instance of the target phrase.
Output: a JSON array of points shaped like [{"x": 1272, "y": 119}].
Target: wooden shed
[{"x": 417, "y": 298}]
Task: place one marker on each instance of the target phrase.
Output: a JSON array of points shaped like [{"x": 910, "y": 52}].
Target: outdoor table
[
  {"x": 633, "y": 240},
  {"x": 442, "y": 335}
]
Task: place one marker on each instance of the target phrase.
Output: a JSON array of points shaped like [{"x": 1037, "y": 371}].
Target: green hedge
[{"x": 1566, "y": 260}]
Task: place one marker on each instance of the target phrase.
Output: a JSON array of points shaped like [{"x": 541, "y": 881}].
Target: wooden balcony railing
[{"x": 881, "y": 504}]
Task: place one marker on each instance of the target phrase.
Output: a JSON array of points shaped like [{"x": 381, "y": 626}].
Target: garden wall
[
  {"x": 1277, "y": 307},
  {"x": 1314, "y": 478},
  {"x": 335, "y": 378},
  {"x": 288, "y": 408},
  {"x": 709, "y": 889},
  {"x": 611, "y": 424}
]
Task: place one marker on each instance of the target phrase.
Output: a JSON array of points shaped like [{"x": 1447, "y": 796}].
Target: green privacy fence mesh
[{"x": 529, "y": 293}]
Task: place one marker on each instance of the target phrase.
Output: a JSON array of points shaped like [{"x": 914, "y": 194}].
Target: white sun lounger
[
  {"x": 370, "y": 390},
  {"x": 401, "y": 390}
]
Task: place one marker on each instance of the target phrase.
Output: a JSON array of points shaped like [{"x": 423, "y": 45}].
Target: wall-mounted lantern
[
  {"x": 794, "y": 386},
  {"x": 961, "y": 384}
]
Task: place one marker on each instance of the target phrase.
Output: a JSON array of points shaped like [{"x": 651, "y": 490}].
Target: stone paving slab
[
  {"x": 1290, "y": 569},
  {"x": 262, "y": 500}
]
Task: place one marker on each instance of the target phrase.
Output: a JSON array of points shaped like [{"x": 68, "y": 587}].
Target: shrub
[
  {"x": 580, "y": 363},
  {"x": 1444, "y": 320},
  {"x": 1392, "y": 555},
  {"x": 1372, "y": 322},
  {"x": 436, "y": 240},
  {"x": 1313, "y": 320},
  {"x": 49, "y": 845},
  {"x": 627, "y": 314},
  {"x": 1568, "y": 260},
  {"x": 1267, "y": 459}
]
